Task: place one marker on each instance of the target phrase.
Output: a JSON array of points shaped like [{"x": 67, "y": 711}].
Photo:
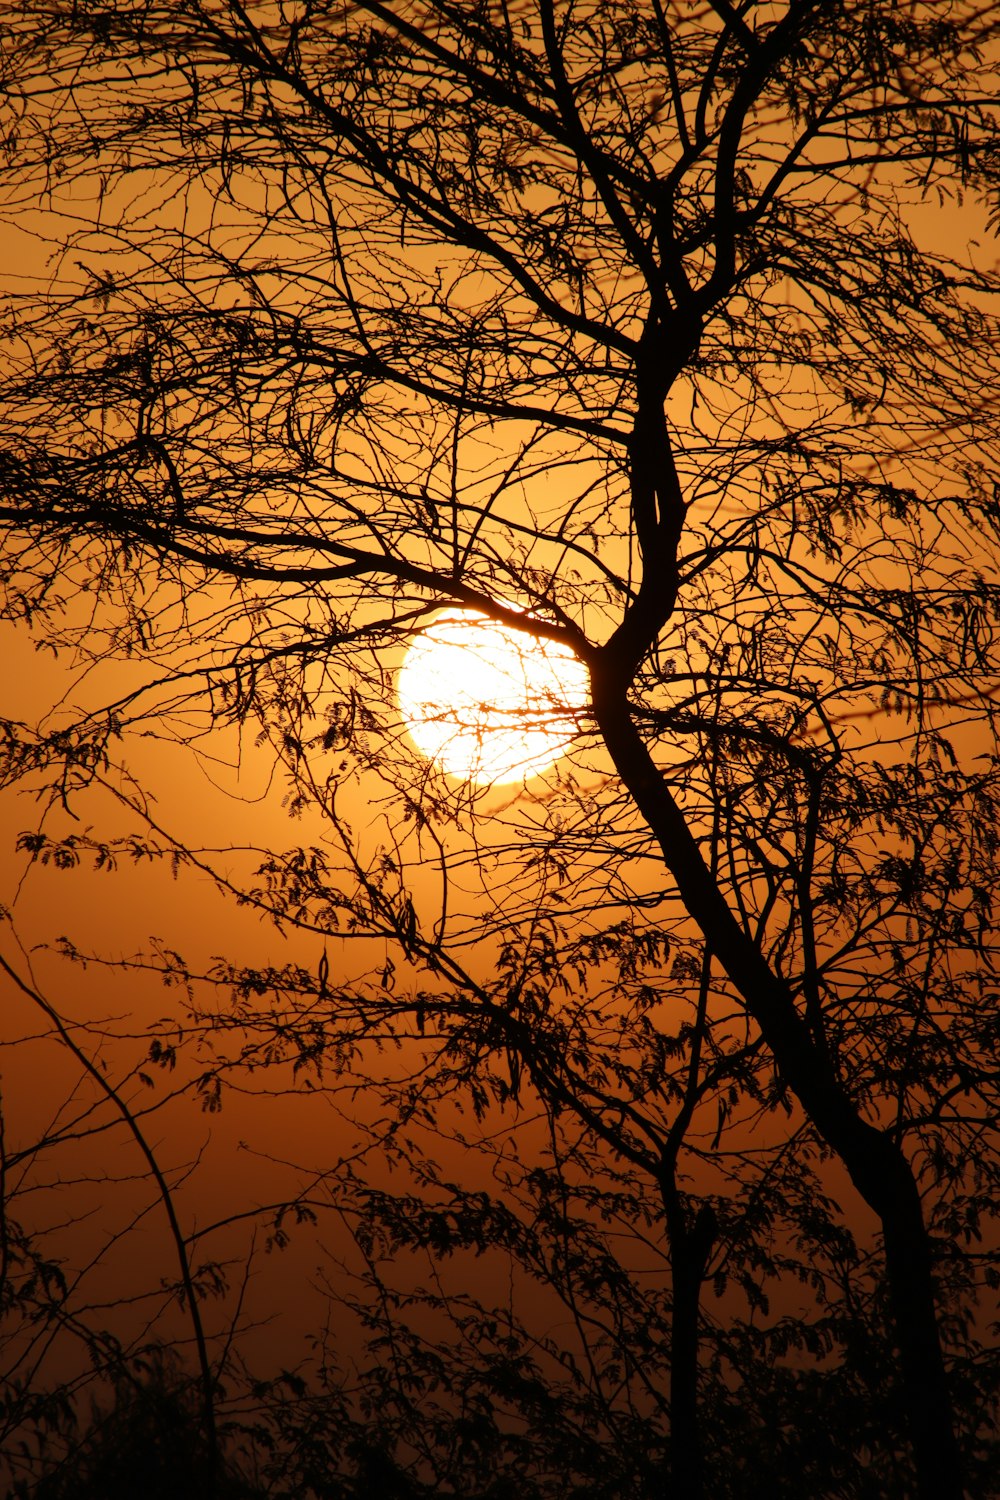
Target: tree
[
  {"x": 151, "y": 1436},
  {"x": 624, "y": 326}
]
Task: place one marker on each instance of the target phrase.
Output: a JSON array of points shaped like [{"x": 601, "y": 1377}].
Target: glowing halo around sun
[{"x": 487, "y": 703}]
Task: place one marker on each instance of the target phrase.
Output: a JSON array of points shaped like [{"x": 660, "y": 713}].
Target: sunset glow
[{"x": 488, "y": 703}]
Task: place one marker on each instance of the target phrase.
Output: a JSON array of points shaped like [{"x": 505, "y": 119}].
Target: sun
[{"x": 488, "y": 703}]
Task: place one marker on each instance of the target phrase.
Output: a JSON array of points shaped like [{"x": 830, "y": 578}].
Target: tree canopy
[{"x": 663, "y": 332}]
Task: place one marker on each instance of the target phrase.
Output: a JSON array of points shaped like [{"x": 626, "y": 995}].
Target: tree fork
[{"x": 874, "y": 1162}]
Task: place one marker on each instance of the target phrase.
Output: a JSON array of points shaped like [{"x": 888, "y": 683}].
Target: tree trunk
[
  {"x": 690, "y": 1248},
  {"x": 875, "y": 1163}
]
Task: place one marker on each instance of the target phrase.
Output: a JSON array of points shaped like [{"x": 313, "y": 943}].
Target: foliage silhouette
[
  {"x": 624, "y": 325},
  {"x": 150, "y": 1442}
]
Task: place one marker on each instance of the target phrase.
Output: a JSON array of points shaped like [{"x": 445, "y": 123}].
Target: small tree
[
  {"x": 622, "y": 326},
  {"x": 150, "y": 1439}
]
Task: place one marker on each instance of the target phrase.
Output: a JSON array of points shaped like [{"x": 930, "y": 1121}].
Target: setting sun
[{"x": 488, "y": 703}]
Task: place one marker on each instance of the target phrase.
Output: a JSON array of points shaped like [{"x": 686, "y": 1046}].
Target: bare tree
[{"x": 625, "y": 326}]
